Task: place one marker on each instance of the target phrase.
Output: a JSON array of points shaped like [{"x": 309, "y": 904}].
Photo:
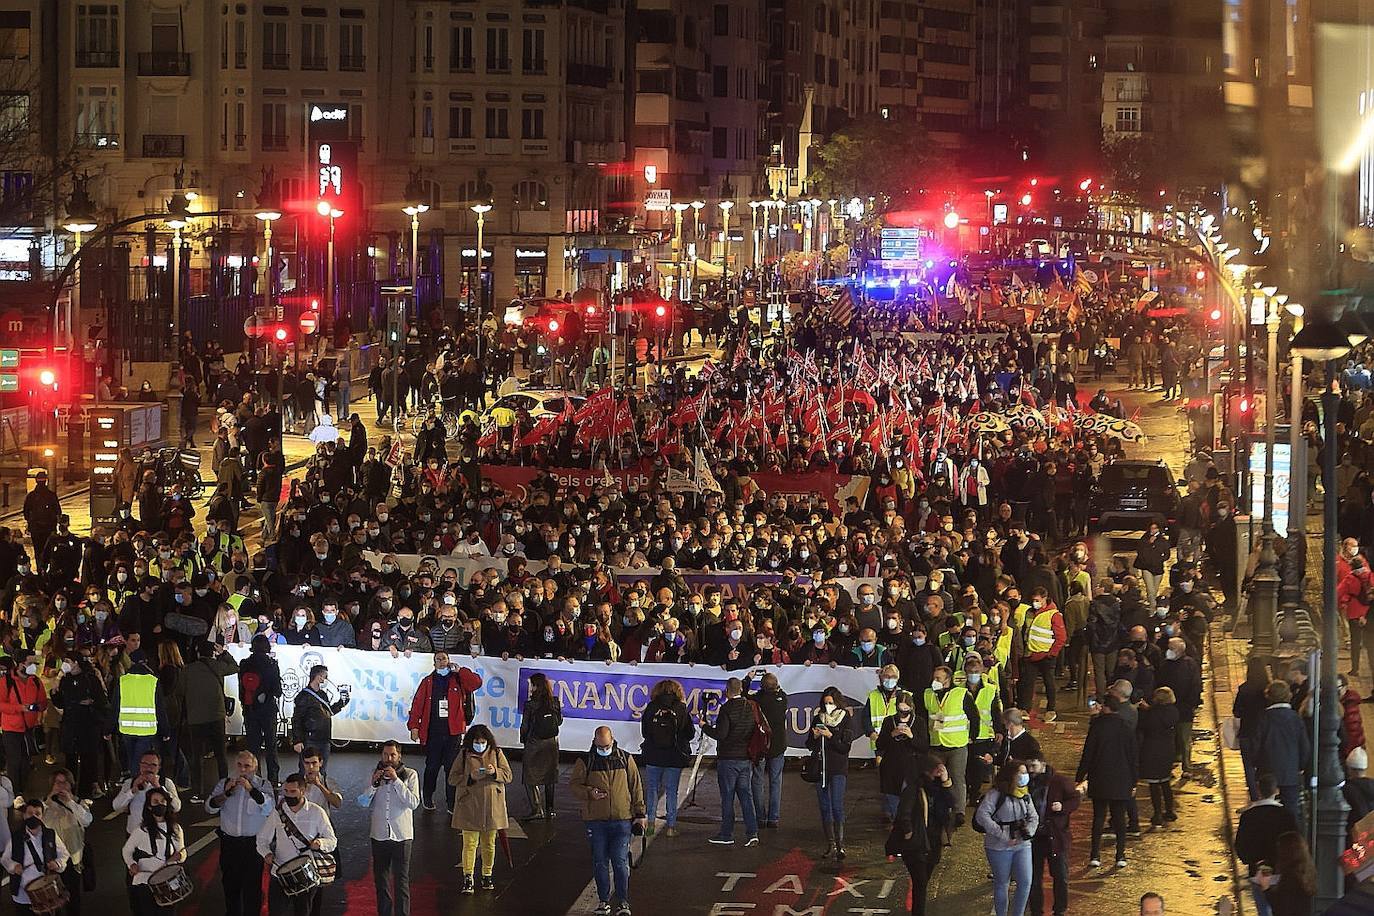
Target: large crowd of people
[{"x": 981, "y": 600}]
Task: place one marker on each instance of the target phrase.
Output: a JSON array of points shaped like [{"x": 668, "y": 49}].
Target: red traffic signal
[
  {"x": 1201, "y": 274},
  {"x": 1245, "y": 404},
  {"x": 315, "y": 303},
  {"x": 554, "y": 325},
  {"x": 47, "y": 378},
  {"x": 660, "y": 311},
  {"x": 1215, "y": 314},
  {"x": 280, "y": 334}
]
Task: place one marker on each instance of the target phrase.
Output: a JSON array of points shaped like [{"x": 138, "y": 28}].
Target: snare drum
[
  {"x": 47, "y": 894},
  {"x": 170, "y": 885},
  {"x": 326, "y": 866},
  {"x": 299, "y": 875}
]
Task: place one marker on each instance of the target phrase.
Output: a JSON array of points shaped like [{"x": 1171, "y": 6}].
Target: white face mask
[
  {"x": 937, "y": 686},
  {"x": 829, "y": 708}
]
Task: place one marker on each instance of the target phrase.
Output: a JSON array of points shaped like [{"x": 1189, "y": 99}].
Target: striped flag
[
  {"x": 842, "y": 310},
  {"x": 1081, "y": 284}
]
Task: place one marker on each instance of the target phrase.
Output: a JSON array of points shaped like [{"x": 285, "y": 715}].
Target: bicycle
[{"x": 438, "y": 409}]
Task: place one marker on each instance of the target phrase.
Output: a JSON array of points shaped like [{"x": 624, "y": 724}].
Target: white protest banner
[{"x": 591, "y": 693}]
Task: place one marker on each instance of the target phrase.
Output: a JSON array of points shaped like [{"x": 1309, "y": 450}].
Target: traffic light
[
  {"x": 47, "y": 378},
  {"x": 314, "y": 303},
  {"x": 1200, "y": 274},
  {"x": 554, "y": 325},
  {"x": 280, "y": 334},
  {"x": 661, "y": 311},
  {"x": 1215, "y": 314},
  {"x": 1085, "y": 184}
]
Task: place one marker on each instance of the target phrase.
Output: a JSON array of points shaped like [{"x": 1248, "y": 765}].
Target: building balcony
[
  {"x": 592, "y": 6},
  {"x": 352, "y": 63},
  {"x": 164, "y": 146},
  {"x": 276, "y": 60},
  {"x": 274, "y": 143},
  {"x": 97, "y": 140},
  {"x": 164, "y": 63},
  {"x": 588, "y": 75},
  {"x": 1135, "y": 94},
  {"x": 108, "y": 59},
  {"x": 461, "y": 65},
  {"x": 313, "y": 62},
  {"x": 534, "y": 67},
  {"x": 534, "y": 147},
  {"x": 498, "y": 65}
]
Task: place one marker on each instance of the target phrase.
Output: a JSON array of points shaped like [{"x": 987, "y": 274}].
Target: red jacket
[
  {"x": 16, "y": 695},
  {"x": 1352, "y": 724},
  {"x": 466, "y": 681},
  {"x": 1350, "y": 595}
]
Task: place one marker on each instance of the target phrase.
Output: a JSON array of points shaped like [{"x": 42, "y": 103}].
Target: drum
[
  {"x": 170, "y": 885},
  {"x": 299, "y": 875},
  {"x": 326, "y": 866},
  {"x": 47, "y": 894}
]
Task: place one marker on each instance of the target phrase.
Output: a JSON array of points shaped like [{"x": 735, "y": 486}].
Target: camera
[{"x": 1018, "y": 832}]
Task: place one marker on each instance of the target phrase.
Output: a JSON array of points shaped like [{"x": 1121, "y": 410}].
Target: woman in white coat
[{"x": 157, "y": 842}]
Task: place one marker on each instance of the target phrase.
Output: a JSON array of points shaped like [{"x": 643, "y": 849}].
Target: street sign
[
  {"x": 658, "y": 200},
  {"x": 9, "y": 359},
  {"x": 309, "y": 322},
  {"x": 9, "y": 381}
]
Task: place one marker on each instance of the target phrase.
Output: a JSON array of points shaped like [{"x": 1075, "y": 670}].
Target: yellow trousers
[{"x": 470, "y": 841}]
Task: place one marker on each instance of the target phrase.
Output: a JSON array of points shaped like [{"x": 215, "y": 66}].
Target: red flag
[{"x": 689, "y": 410}]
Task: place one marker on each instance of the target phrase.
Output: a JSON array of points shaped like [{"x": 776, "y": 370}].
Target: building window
[
  {"x": 14, "y": 116},
  {"x": 14, "y": 35},
  {"x": 459, "y": 122},
  {"x": 1128, "y": 120},
  {"x": 314, "y": 54},
  {"x": 531, "y": 195},
  {"x": 97, "y": 35},
  {"x": 498, "y": 50},
  {"x": 945, "y": 89},
  {"x": 498, "y": 124},
  {"x": 721, "y": 19},
  {"x": 275, "y": 51},
  {"x": 532, "y": 123},
  {"x": 720, "y": 82},
  {"x": 794, "y": 37},
  {"x": 532, "y": 51},
  {"x": 427, "y": 43},
  {"x": 240, "y": 125},
  {"x": 273, "y": 126},
  {"x": 720, "y": 142},
  {"x": 460, "y": 49},
  {"x": 97, "y": 117},
  {"x": 352, "y": 52}
]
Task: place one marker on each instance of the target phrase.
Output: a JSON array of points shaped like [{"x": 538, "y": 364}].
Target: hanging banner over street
[{"x": 591, "y": 693}]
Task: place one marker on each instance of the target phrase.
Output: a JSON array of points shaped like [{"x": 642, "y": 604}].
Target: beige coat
[{"x": 480, "y": 803}]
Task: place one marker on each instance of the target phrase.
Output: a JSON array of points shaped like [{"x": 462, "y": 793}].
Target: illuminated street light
[{"x": 951, "y": 220}]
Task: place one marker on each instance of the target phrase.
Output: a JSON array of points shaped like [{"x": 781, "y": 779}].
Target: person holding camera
[
  {"x": 312, "y": 719},
  {"x": 392, "y": 796},
  {"x": 1008, "y": 821}
]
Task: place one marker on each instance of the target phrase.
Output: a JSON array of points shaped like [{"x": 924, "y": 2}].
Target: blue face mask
[
  {"x": 866, "y": 646},
  {"x": 443, "y": 672},
  {"x": 329, "y": 617},
  {"x": 604, "y": 751},
  {"x": 479, "y": 747},
  {"x": 974, "y": 677},
  {"x": 1023, "y": 779},
  {"x": 889, "y": 683}
]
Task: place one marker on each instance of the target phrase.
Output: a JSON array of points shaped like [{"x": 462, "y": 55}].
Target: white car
[{"x": 538, "y": 402}]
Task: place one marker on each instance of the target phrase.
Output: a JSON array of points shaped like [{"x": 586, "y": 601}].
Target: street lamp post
[
  {"x": 697, "y": 206},
  {"x": 678, "y": 247},
  {"x": 1323, "y": 341},
  {"x": 481, "y": 209},
  {"x": 1297, "y": 486},
  {"x": 415, "y": 197},
  {"x": 80, "y": 219},
  {"x": 725, "y": 206},
  {"x": 1271, "y": 396}
]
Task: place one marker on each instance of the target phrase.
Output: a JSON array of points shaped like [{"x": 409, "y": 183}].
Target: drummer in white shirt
[
  {"x": 289, "y": 832},
  {"x": 39, "y": 853},
  {"x": 134, "y": 791},
  {"x": 155, "y": 844},
  {"x": 70, "y": 817},
  {"x": 243, "y": 803}
]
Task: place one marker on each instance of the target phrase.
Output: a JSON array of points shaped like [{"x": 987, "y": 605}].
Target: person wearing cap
[{"x": 1358, "y": 788}]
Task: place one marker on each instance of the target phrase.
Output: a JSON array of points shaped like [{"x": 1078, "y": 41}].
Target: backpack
[
  {"x": 760, "y": 736},
  {"x": 249, "y": 684},
  {"x": 544, "y": 725},
  {"x": 661, "y": 729},
  {"x": 1367, "y": 590}
]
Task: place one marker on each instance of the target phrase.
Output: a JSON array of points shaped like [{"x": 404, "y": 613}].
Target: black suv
[{"x": 1131, "y": 494}]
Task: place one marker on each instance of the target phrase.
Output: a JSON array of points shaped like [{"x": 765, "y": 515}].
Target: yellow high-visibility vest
[
  {"x": 880, "y": 707},
  {"x": 952, "y": 729},
  {"x": 1040, "y": 635},
  {"x": 983, "y": 699},
  {"x": 138, "y": 704}
]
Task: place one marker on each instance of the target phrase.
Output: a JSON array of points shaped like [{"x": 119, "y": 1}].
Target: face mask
[
  {"x": 969, "y": 641},
  {"x": 30, "y": 670},
  {"x": 604, "y": 751},
  {"x": 736, "y": 634},
  {"x": 888, "y": 682},
  {"x": 479, "y": 747},
  {"x": 1171, "y": 655},
  {"x": 101, "y": 616},
  {"x": 295, "y": 800},
  {"x": 405, "y": 623},
  {"x": 32, "y": 823},
  {"x": 1038, "y": 604},
  {"x": 1161, "y": 612},
  {"x": 818, "y": 638},
  {"x": 157, "y": 810},
  {"x": 866, "y": 646},
  {"x": 66, "y": 667},
  {"x": 974, "y": 677},
  {"x": 919, "y": 640},
  {"x": 844, "y": 628},
  {"x": 1169, "y": 630},
  {"x": 1023, "y": 779},
  {"x": 937, "y": 686},
  {"x": 121, "y": 577},
  {"x": 829, "y": 708},
  {"x": 1186, "y": 585}
]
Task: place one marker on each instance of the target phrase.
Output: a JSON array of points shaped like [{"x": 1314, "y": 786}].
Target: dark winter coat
[
  {"x": 1110, "y": 761},
  {"x": 900, "y": 755},
  {"x": 1047, "y": 789},
  {"x": 1155, "y": 730},
  {"x": 1284, "y": 747},
  {"x": 680, "y": 755}
]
